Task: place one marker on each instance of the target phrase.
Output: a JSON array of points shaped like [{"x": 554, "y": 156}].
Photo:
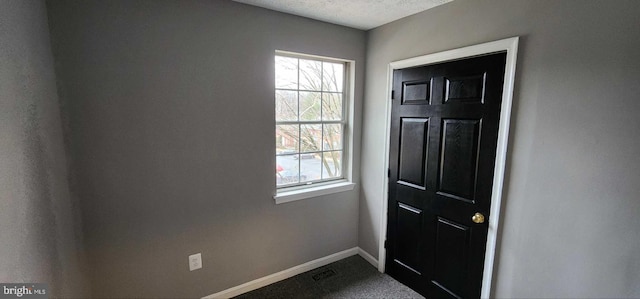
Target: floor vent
[{"x": 324, "y": 274}]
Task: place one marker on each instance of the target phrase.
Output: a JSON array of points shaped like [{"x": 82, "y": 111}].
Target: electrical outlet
[{"x": 195, "y": 261}]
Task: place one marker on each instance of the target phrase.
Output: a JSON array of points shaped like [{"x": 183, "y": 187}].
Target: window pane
[
  {"x": 286, "y": 105},
  {"x": 286, "y": 139},
  {"x": 308, "y": 94},
  {"x": 331, "y": 164},
  {"x": 310, "y": 138},
  {"x": 310, "y": 167},
  {"x": 310, "y": 75},
  {"x": 332, "y": 137},
  {"x": 286, "y": 72},
  {"x": 310, "y": 105},
  {"x": 331, "y": 106},
  {"x": 332, "y": 76},
  {"x": 287, "y": 170}
]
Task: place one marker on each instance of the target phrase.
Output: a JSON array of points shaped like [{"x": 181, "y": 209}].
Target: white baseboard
[
  {"x": 282, "y": 275},
  {"x": 369, "y": 258}
]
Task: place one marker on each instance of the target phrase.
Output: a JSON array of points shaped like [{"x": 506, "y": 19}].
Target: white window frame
[{"x": 292, "y": 193}]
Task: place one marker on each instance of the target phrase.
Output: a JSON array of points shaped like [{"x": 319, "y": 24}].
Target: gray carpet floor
[{"x": 352, "y": 277}]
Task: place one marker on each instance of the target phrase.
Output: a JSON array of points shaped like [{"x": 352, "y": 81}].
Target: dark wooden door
[{"x": 444, "y": 129}]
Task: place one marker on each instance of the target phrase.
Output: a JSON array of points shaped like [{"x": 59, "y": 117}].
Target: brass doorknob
[{"x": 478, "y": 218}]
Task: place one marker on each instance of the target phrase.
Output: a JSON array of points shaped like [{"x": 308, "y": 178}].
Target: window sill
[{"x": 325, "y": 189}]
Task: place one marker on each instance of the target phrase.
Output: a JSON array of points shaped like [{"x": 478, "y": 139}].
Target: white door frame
[{"x": 510, "y": 45}]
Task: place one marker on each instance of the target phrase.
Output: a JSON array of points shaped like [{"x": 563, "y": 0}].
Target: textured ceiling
[{"x": 360, "y": 14}]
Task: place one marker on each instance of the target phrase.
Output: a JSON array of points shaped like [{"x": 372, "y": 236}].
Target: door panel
[
  {"x": 444, "y": 128},
  {"x": 408, "y": 247},
  {"x": 416, "y": 92},
  {"x": 451, "y": 256},
  {"x": 465, "y": 89},
  {"x": 459, "y": 157},
  {"x": 413, "y": 152}
]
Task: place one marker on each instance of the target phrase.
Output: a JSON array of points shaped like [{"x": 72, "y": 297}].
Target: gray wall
[
  {"x": 570, "y": 213},
  {"x": 39, "y": 242},
  {"x": 169, "y": 108}
]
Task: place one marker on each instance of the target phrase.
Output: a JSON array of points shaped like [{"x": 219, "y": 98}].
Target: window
[{"x": 311, "y": 120}]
